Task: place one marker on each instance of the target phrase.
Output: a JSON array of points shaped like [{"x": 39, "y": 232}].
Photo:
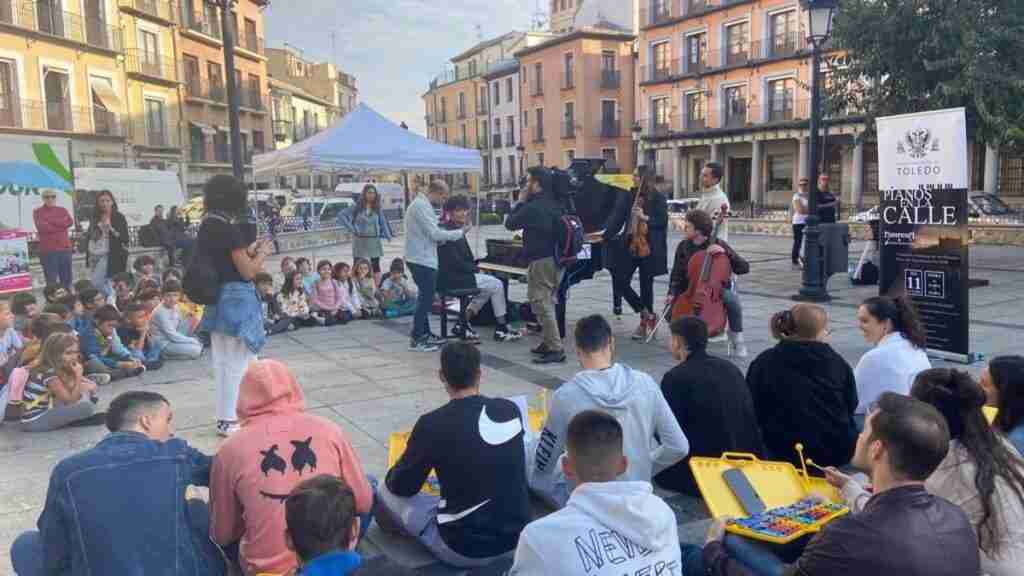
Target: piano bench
[{"x": 464, "y": 296}]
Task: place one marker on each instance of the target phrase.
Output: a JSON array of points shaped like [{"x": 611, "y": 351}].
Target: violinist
[
  {"x": 636, "y": 237},
  {"x": 697, "y": 228}
]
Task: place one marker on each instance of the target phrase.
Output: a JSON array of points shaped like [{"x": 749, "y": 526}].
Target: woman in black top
[
  {"x": 622, "y": 263},
  {"x": 177, "y": 230},
  {"x": 235, "y": 322},
  {"x": 107, "y": 249},
  {"x": 804, "y": 391}
]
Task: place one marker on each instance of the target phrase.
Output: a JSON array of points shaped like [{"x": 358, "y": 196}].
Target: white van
[
  {"x": 317, "y": 209},
  {"x": 137, "y": 192},
  {"x": 391, "y": 195}
]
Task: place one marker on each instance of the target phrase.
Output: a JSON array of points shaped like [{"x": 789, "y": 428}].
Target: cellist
[{"x": 697, "y": 228}]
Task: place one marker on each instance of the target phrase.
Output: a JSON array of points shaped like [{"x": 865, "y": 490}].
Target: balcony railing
[
  {"x": 251, "y": 43},
  {"x": 782, "y": 46},
  {"x": 443, "y": 117},
  {"x": 161, "y": 9},
  {"x": 658, "y": 72},
  {"x": 654, "y": 12},
  {"x": 537, "y": 89},
  {"x": 569, "y": 129},
  {"x": 568, "y": 82},
  {"x": 538, "y": 134},
  {"x": 144, "y": 134},
  {"x": 737, "y": 54},
  {"x": 496, "y": 141},
  {"x": 610, "y": 128},
  {"x": 696, "y": 65},
  {"x": 252, "y": 100},
  {"x": 59, "y": 117},
  {"x": 150, "y": 64},
  {"x": 282, "y": 130},
  {"x": 197, "y": 22},
  {"x": 510, "y": 140},
  {"x": 655, "y": 128},
  {"x": 199, "y": 87},
  {"x": 736, "y": 113},
  {"x": 481, "y": 108},
  {"x": 611, "y": 79},
  {"x": 460, "y": 114},
  {"x": 89, "y": 31},
  {"x": 695, "y": 123}
]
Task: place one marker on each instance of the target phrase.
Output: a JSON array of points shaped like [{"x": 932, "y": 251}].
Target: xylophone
[{"x": 787, "y": 523}]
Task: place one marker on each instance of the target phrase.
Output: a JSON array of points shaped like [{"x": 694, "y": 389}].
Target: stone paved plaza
[{"x": 363, "y": 377}]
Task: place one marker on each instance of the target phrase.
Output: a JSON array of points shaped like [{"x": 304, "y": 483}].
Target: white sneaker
[
  {"x": 737, "y": 347},
  {"x": 226, "y": 428},
  {"x": 718, "y": 339}
]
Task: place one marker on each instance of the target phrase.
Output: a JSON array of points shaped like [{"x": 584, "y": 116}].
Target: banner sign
[
  {"x": 922, "y": 183},
  {"x": 14, "y": 271}
]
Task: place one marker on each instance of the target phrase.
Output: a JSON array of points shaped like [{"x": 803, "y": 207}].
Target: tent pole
[{"x": 478, "y": 218}]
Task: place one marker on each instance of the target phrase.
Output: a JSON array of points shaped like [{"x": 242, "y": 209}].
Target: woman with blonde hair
[
  {"x": 804, "y": 390},
  {"x": 369, "y": 227}
]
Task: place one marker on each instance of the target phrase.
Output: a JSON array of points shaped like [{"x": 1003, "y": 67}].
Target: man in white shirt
[{"x": 608, "y": 527}]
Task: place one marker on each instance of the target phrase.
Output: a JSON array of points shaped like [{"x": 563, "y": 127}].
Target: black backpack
[
  {"x": 201, "y": 282},
  {"x": 568, "y": 239}
]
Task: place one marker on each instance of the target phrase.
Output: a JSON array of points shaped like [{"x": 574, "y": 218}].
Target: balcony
[
  {"x": 537, "y": 89},
  {"x": 610, "y": 128},
  {"x": 496, "y": 141},
  {"x": 611, "y": 79},
  {"x": 657, "y": 12},
  {"x": 510, "y": 140},
  {"x": 481, "y": 108},
  {"x": 86, "y": 31},
  {"x": 569, "y": 129},
  {"x": 252, "y": 100},
  {"x": 781, "y": 110},
  {"x": 460, "y": 114},
  {"x": 198, "y": 88},
  {"x": 782, "y": 46},
  {"x": 736, "y": 113},
  {"x": 737, "y": 54},
  {"x": 59, "y": 117},
  {"x": 251, "y": 43},
  {"x": 429, "y": 119},
  {"x": 163, "y": 10},
  {"x": 657, "y": 128},
  {"x": 660, "y": 71},
  {"x": 151, "y": 65},
  {"x": 568, "y": 82},
  {"x": 538, "y": 135},
  {"x": 143, "y": 134},
  {"x": 197, "y": 22},
  {"x": 282, "y": 130},
  {"x": 696, "y": 65},
  {"x": 695, "y": 122}
]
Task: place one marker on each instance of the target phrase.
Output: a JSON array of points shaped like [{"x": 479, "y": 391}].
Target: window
[
  {"x": 258, "y": 145},
  {"x": 462, "y": 132},
  {"x": 496, "y": 98},
  {"x": 462, "y": 105},
  {"x": 497, "y": 171},
  {"x": 540, "y": 158},
  {"x": 568, "y": 70},
  {"x": 508, "y": 90},
  {"x": 497, "y": 132},
  {"x": 780, "y": 172},
  {"x": 737, "y": 40},
  {"x": 660, "y": 61},
  {"x": 569, "y": 120},
  {"x": 539, "y": 127},
  {"x": 609, "y": 123},
  {"x": 307, "y": 124},
  {"x": 197, "y": 143},
  {"x": 149, "y": 53},
  {"x": 472, "y": 68},
  {"x": 251, "y": 39},
  {"x": 254, "y": 99},
  {"x": 780, "y": 99},
  {"x": 608, "y": 60},
  {"x": 510, "y": 134},
  {"x": 10, "y": 109},
  {"x": 526, "y": 120},
  {"x": 784, "y": 35},
  {"x": 213, "y": 72},
  {"x": 611, "y": 156},
  {"x": 193, "y": 80},
  {"x": 156, "y": 132},
  {"x": 444, "y": 109},
  {"x": 735, "y": 98},
  {"x": 538, "y": 79},
  {"x": 511, "y": 169},
  {"x": 696, "y": 53},
  {"x": 695, "y": 111},
  {"x": 445, "y": 134},
  {"x": 481, "y": 104},
  {"x": 104, "y": 102},
  {"x": 58, "y": 103},
  {"x": 660, "y": 115}
]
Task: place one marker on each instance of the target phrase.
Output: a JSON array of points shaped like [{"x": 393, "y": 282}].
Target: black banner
[{"x": 924, "y": 236}]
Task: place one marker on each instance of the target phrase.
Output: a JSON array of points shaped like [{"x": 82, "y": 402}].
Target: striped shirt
[{"x": 37, "y": 398}]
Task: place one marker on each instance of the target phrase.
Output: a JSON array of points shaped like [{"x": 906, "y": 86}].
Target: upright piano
[{"x": 577, "y": 190}]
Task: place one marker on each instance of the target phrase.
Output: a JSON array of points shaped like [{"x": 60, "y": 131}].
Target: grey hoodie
[
  {"x": 606, "y": 529},
  {"x": 635, "y": 401}
]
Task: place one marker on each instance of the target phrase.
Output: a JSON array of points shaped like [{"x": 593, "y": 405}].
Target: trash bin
[{"x": 835, "y": 244}]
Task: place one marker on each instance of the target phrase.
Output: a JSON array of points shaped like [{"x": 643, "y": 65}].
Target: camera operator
[{"x": 536, "y": 216}]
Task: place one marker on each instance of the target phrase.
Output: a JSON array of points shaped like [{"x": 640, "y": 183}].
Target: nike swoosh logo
[{"x": 497, "y": 433}]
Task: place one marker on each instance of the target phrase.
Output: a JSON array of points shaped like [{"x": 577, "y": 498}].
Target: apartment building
[
  {"x": 295, "y": 116},
  {"x": 60, "y": 76},
  {"x": 577, "y": 94},
  {"x": 205, "y": 95},
  {"x": 504, "y": 151},
  {"x": 562, "y": 15},
  {"x": 322, "y": 80},
  {"x": 728, "y": 80}
]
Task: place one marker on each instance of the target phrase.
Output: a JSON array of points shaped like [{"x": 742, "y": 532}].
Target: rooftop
[{"x": 583, "y": 33}]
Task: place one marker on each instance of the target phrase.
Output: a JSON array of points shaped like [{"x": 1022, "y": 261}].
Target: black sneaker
[
  {"x": 423, "y": 346},
  {"x": 540, "y": 350},
  {"x": 507, "y": 334},
  {"x": 465, "y": 333},
  {"x": 436, "y": 340},
  {"x": 556, "y": 357}
]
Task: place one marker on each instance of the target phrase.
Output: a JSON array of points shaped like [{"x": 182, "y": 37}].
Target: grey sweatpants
[
  {"x": 60, "y": 416},
  {"x": 542, "y": 279}
]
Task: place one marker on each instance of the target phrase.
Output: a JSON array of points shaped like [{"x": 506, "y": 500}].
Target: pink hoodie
[{"x": 278, "y": 446}]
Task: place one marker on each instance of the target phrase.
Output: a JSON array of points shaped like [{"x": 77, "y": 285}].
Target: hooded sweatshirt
[
  {"x": 606, "y": 529},
  {"x": 278, "y": 447},
  {"x": 634, "y": 399}
]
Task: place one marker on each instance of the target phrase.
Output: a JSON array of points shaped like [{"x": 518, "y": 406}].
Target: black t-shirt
[
  {"x": 480, "y": 461},
  {"x": 218, "y": 239}
]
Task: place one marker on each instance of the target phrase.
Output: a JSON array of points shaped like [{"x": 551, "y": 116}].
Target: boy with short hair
[
  {"x": 122, "y": 284},
  {"x": 146, "y": 268},
  {"x": 74, "y": 306},
  {"x": 309, "y": 276},
  {"x": 102, "y": 350},
  {"x": 58, "y": 309},
  {"x": 81, "y": 285},
  {"x": 91, "y": 300},
  {"x": 134, "y": 332},
  {"x": 275, "y": 321},
  {"x": 52, "y": 293},
  {"x": 398, "y": 295},
  {"x": 25, "y": 308},
  {"x": 166, "y": 322}
]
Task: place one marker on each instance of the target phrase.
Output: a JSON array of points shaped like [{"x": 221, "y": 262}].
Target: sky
[{"x": 392, "y": 47}]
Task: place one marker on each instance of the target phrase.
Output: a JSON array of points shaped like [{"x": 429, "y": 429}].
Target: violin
[
  {"x": 708, "y": 278},
  {"x": 638, "y": 245}
]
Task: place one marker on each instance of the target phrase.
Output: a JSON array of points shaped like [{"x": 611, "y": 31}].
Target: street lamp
[
  {"x": 637, "y": 130},
  {"x": 821, "y": 13}
]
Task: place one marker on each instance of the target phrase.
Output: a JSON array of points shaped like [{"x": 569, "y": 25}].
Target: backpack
[
  {"x": 568, "y": 239},
  {"x": 201, "y": 282}
]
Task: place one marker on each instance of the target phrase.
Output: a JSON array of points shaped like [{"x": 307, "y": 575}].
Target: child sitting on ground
[
  {"x": 275, "y": 321},
  {"x": 191, "y": 313},
  {"x": 52, "y": 293},
  {"x": 150, "y": 299},
  {"x": 366, "y": 288},
  {"x": 166, "y": 323},
  {"x": 25, "y": 308},
  {"x": 122, "y": 284},
  {"x": 59, "y": 309},
  {"x": 136, "y": 336},
  {"x": 398, "y": 294},
  {"x": 309, "y": 277},
  {"x": 57, "y": 394},
  {"x": 328, "y": 300},
  {"x": 145, "y": 268},
  {"x": 102, "y": 349},
  {"x": 344, "y": 279},
  {"x": 287, "y": 265},
  {"x": 80, "y": 285},
  {"x": 10, "y": 342},
  {"x": 74, "y": 305},
  {"x": 91, "y": 299},
  {"x": 293, "y": 302}
]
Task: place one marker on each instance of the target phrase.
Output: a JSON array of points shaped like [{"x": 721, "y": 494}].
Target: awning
[
  {"x": 203, "y": 128},
  {"x": 105, "y": 94}
]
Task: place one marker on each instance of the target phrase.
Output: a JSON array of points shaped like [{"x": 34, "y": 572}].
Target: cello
[
  {"x": 638, "y": 229},
  {"x": 708, "y": 278}
]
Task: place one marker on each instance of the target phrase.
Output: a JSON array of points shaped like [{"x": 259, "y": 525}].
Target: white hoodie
[
  {"x": 607, "y": 528},
  {"x": 631, "y": 397}
]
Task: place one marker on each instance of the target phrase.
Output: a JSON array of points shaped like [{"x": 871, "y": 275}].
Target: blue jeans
[
  {"x": 57, "y": 267},
  {"x": 692, "y": 560},
  {"x": 426, "y": 281},
  {"x": 27, "y": 550},
  {"x": 764, "y": 558}
]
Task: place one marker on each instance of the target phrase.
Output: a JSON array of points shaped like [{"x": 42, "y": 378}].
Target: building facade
[
  {"x": 578, "y": 98},
  {"x": 205, "y": 96},
  {"x": 321, "y": 80},
  {"x": 562, "y": 15},
  {"x": 505, "y": 146},
  {"x": 295, "y": 116}
]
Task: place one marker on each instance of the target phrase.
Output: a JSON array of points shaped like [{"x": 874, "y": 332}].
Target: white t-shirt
[
  {"x": 799, "y": 218},
  {"x": 711, "y": 202},
  {"x": 891, "y": 366}
]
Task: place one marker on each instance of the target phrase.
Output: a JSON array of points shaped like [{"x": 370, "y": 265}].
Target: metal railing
[
  {"x": 695, "y": 123},
  {"x": 655, "y": 12},
  {"x": 143, "y": 133},
  {"x": 251, "y": 43},
  {"x": 253, "y": 100},
  {"x": 655, "y": 128},
  {"x": 197, "y": 22},
  {"x": 429, "y": 119},
  {"x": 481, "y": 108},
  {"x": 282, "y": 130},
  {"x": 658, "y": 72},
  {"x": 610, "y": 128},
  {"x": 569, "y": 129},
  {"x": 163, "y": 9},
  {"x": 199, "y": 87},
  {"x": 611, "y": 79},
  {"x": 536, "y": 88},
  {"x": 150, "y": 64},
  {"x": 85, "y": 30},
  {"x": 460, "y": 114},
  {"x": 60, "y": 117},
  {"x": 736, "y": 113}
]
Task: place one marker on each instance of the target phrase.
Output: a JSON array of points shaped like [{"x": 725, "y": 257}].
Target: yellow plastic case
[{"x": 777, "y": 483}]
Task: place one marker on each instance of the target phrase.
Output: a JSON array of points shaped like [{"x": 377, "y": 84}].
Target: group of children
[
  {"x": 52, "y": 358},
  {"x": 333, "y": 294}
]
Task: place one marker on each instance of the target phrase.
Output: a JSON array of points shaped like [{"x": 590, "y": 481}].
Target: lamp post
[
  {"x": 637, "y": 130},
  {"x": 228, "y": 33},
  {"x": 814, "y": 288}
]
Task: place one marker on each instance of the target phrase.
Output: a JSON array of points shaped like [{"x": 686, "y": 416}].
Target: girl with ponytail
[
  {"x": 982, "y": 473},
  {"x": 804, "y": 391},
  {"x": 1003, "y": 382},
  {"x": 893, "y": 328}
]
